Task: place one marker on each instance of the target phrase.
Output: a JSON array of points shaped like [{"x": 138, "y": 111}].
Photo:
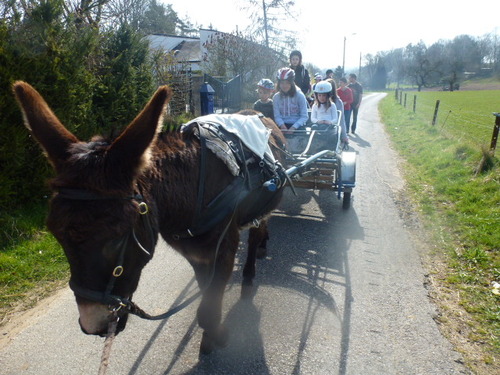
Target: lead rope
[{"x": 106, "y": 351}]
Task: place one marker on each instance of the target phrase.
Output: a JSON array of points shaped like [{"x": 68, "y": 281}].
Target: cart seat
[{"x": 319, "y": 137}]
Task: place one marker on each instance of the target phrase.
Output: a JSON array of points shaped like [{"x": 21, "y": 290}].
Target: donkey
[{"x": 112, "y": 197}]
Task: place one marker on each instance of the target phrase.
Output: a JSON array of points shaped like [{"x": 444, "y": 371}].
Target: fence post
[
  {"x": 414, "y": 103},
  {"x": 396, "y": 93},
  {"x": 483, "y": 163},
  {"x": 434, "y": 118},
  {"x": 494, "y": 137},
  {"x": 400, "y": 97},
  {"x": 405, "y": 100}
]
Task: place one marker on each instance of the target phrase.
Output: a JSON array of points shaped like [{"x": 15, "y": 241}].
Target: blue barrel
[{"x": 207, "y": 99}]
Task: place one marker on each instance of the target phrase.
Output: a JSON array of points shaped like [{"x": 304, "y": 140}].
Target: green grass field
[
  {"x": 460, "y": 209},
  {"x": 464, "y": 115}
]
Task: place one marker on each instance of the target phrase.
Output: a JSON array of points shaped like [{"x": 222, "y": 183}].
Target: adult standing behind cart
[
  {"x": 357, "y": 92},
  {"x": 289, "y": 103},
  {"x": 302, "y": 78},
  {"x": 345, "y": 94}
]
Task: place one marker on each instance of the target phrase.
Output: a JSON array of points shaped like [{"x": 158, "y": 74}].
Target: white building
[{"x": 189, "y": 50}]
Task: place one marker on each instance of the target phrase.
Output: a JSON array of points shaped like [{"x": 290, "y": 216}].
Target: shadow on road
[
  {"x": 245, "y": 350},
  {"x": 360, "y": 142},
  {"x": 329, "y": 235},
  {"x": 307, "y": 254},
  {"x": 185, "y": 340}
]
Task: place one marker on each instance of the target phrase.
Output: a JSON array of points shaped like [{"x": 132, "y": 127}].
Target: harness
[
  {"x": 258, "y": 179},
  {"x": 252, "y": 173}
]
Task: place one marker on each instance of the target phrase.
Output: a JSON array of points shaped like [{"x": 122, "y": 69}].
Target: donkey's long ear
[
  {"x": 136, "y": 139},
  {"x": 43, "y": 123}
]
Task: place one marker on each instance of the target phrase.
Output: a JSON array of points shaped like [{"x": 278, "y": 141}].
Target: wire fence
[{"x": 454, "y": 119}]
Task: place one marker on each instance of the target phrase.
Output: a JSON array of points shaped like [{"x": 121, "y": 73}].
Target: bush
[{"x": 95, "y": 81}]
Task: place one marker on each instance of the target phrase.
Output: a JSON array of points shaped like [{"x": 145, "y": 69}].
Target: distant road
[{"x": 342, "y": 292}]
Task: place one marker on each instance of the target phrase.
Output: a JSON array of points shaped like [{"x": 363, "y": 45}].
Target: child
[
  {"x": 323, "y": 110},
  {"x": 289, "y": 103},
  {"x": 317, "y": 78},
  {"x": 264, "y": 105},
  {"x": 302, "y": 79}
]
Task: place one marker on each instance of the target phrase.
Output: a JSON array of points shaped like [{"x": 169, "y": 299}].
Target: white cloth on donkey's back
[{"x": 250, "y": 129}]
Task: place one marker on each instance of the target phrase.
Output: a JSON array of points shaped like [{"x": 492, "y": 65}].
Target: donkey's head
[{"x": 97, "y": 214}]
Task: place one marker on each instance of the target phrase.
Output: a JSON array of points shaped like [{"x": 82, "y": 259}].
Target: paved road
[{"x": 342, "y": 292}]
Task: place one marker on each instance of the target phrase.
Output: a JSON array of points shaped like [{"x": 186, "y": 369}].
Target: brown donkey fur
[{"x": 106, "y": 176}]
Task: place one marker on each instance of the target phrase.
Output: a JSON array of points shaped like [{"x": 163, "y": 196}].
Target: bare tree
[
  {"x": 233, "y": 54},
  {"x": 394, "y": 61},
  {"x": 269, "y": 18},
  {"x": 418, "y": 67},
  {"x": 146, "y": 16}
]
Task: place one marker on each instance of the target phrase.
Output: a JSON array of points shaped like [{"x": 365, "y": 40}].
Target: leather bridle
[{"x": 115, "y": 302}]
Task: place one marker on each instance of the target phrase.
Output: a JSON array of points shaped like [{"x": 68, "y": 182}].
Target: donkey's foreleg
[
  {"x": 257, "y": 240},
  {"x": 215, "y": 334},
  {"x": 210, "y": 310}
]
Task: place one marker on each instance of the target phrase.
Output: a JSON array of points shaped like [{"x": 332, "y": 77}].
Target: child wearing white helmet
[
  {"x": 323, "y": 112},
  {"x": 264, "y": 105}
]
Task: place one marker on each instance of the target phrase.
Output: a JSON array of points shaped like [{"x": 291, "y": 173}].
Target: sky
[{"x": 367, "y": 26}]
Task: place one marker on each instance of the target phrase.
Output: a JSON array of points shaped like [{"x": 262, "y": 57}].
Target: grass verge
[
  {"x": 461, "y": 211},
  {"x": 31, "y": 261}
]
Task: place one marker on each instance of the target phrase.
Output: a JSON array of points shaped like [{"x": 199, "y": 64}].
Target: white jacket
[{"x": 322, "y": 113}]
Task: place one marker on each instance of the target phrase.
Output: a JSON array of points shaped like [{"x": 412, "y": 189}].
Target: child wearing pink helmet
[{"x": 290, "y": 104}]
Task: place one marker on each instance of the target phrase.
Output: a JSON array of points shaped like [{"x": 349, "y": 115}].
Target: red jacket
[{"x": 346, "y": 97}]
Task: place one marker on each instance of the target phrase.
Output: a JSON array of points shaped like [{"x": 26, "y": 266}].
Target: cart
[{"x": 316, "y": 160}]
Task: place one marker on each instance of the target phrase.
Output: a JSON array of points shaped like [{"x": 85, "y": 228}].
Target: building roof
[
  {"x": 188, "y": 51},
  {"x": 167, "y": 42}
]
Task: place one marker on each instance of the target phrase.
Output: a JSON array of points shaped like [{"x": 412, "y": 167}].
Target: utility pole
[
  {"x": 343, "y": 58},
  {"x": 359, "y": 70},
  {"x": 343, "y": 54},
  {"x": 265, "y": 22}
]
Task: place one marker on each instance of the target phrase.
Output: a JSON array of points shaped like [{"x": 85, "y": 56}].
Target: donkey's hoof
[
  {"x": 210, "y": 342},
  {"x": 221, "y": 338},
  {"x": 207, "y": 345},
  {"x": 261, "y": 252}
]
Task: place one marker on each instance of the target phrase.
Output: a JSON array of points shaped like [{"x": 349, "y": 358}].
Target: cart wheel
[{"x": 346, "y": 202}]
